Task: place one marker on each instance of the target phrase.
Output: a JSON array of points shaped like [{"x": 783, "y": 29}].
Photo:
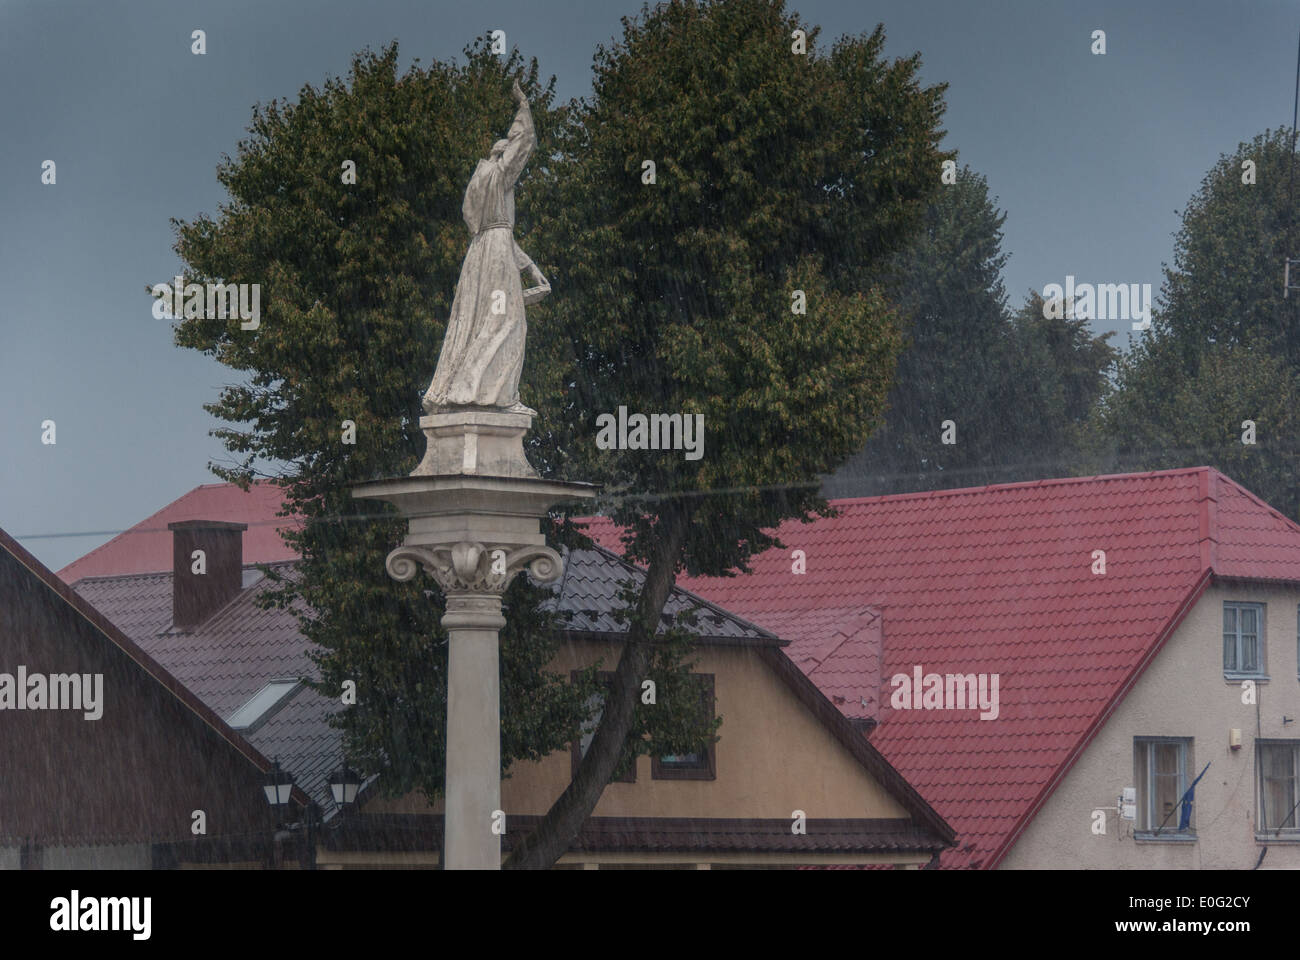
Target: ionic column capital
[{"x": 470, "y": 567}]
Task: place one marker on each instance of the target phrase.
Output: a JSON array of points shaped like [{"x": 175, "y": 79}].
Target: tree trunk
[{"x": 551, "y": 838}]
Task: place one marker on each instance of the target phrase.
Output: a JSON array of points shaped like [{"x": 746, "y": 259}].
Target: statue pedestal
[
  {"x": 472, "y": 534},
  {"x": 482, "y": 442}
]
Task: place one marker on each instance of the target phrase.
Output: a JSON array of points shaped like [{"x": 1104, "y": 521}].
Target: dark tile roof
[
  {"x": 139, "y": 653},
  {"x": 229, "y": 659},
  {"x": 689, "y": 835},
  {"x": 587, "y": 595},
  {"x": 242, "y": 647}
]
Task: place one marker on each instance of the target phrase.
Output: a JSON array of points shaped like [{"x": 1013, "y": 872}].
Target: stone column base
[{"x": 475, "y": 442}]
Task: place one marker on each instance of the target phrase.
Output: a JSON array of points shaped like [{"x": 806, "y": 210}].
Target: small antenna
[{"x": 1290, "y": 185}]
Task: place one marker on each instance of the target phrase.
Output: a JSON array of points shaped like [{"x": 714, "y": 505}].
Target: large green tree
[
  {"x": 777, "y": 172},
  {"x": 1224, "y": 345},
  {"x": 1014, "y": 386},
  {"x": 780, "y": 176}
]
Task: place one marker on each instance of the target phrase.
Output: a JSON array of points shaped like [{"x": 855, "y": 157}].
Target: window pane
[
  {"x": 1229, "y": 620},
  {"x": 596, "y": 710},
  {"x": 1278, "y": 781},
  {"x": 683, "y": 759},
  {"x": 1168, "y": 786},
  {"x": 698, "y": 759},
  {"x": 1229, "y": 651},
  {"x": 1249, "y": 653},
  {"x": 1249, "y": 620},
  {"x": 1144, "y": 785}
]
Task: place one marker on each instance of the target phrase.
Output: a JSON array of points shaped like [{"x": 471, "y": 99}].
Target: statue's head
[{"x": 499, "y": 148}]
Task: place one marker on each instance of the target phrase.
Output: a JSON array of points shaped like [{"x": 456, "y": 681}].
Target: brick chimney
[{"x": 204, "y": 582}]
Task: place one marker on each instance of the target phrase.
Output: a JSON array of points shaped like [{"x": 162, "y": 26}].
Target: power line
[{"x": 845, "y": 481}]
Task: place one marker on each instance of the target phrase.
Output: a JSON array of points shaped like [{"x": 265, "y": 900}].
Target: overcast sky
[{"x": 1090, "y": 156}]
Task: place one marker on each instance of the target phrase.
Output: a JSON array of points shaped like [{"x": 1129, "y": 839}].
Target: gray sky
[{"x": 1091, "y": 157}]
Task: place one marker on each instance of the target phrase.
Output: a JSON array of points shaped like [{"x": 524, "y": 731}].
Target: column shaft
[{"x": 473, "y": 732}]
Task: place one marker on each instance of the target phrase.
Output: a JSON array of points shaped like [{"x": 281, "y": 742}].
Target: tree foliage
[
  {"x": 1015, "y": 386},
  {"x": 1224, "y": 345}
]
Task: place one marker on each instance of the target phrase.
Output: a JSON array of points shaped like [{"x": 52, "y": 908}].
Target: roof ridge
[
  {"x": 676, "y": 587},
  {"x": 109, "y": 542},
  {"x": 1018, "y": 484},
  {"x": 144, "y": 574},
  {"x": 123, "y": 576},
  {"x": 1207, "y": 509},
  {"x": 1255, "y": 498},
  {"x": 843, "y": 631}
]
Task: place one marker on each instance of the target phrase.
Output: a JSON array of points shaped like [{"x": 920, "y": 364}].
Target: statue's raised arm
[{"x": 520, "y": 140}]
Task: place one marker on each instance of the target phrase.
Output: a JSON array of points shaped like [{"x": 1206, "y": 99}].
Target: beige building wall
[
  {"x": 774, "y": 757},
  {"x": 130, "y": 856},
  {"x": 1182, "y": 694}
]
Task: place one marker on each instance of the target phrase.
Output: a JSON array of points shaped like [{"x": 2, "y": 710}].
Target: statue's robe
[{"x": 483, "y": 352}]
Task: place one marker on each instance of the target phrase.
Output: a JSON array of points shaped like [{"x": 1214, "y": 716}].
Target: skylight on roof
[{"x": 263, "y": 704}]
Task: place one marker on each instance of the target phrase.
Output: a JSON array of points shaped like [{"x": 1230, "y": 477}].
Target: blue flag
[{"x": 1185, "y": 817}]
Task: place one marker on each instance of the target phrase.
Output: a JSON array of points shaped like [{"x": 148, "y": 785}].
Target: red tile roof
[
  {"x": 147, "y": 547},
  {"x": 999, "y": 580},
  {"x": 981, "y": 580}
]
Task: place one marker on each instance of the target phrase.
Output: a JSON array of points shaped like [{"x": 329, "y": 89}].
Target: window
[
  {"x": 1279, "y": 794},
  {"x": 1243, "y": 644},
  {"x": 263, "y": 705},
  {"x": 596, "y": 706},
  {"x": 1161, "y": 767},
  {"x": 690, "y": 766}
]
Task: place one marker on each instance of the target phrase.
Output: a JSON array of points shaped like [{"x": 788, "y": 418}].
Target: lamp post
[{"x": 277, "y": 783}]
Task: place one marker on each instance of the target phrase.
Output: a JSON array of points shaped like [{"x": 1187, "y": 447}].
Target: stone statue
[{"x": 483, "y": 350}]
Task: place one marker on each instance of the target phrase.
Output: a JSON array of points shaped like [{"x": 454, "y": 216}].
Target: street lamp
[
  {"x": 344, "y": 786},
  {"x": 278, "y": 785}
]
